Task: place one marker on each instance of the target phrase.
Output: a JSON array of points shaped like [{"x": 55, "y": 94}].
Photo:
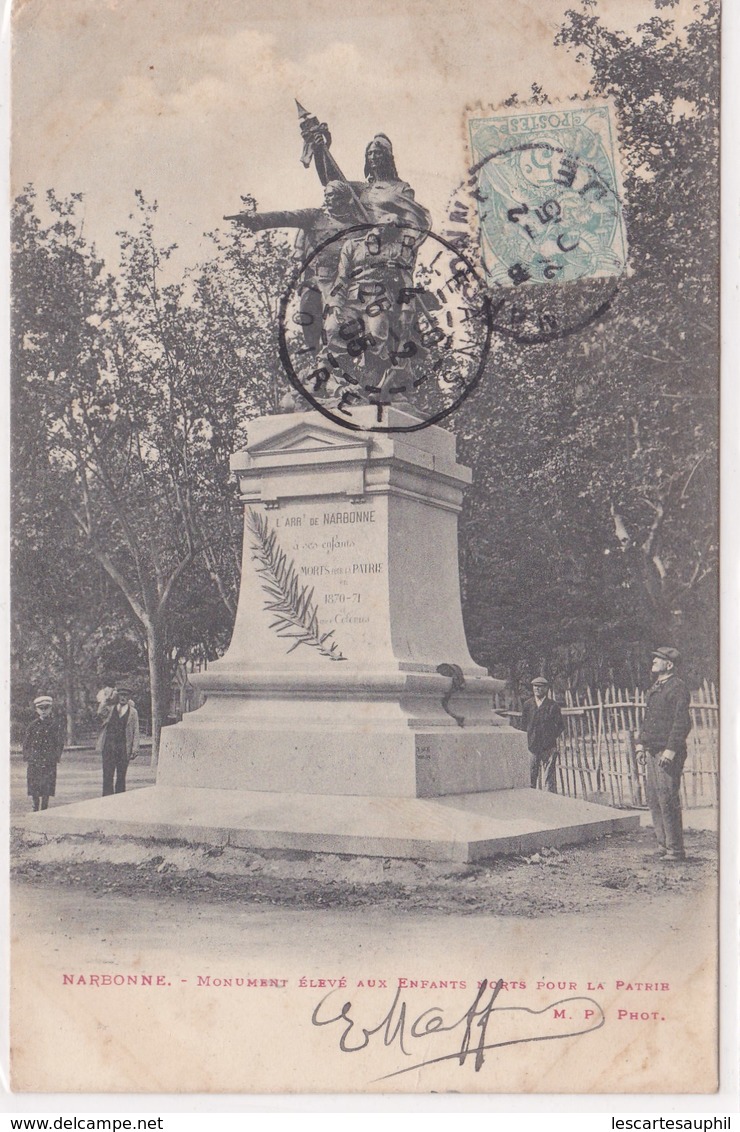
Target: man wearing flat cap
[
  {"x": 42, "y": 749},
  {"x": 543, "y": 722},
  {"x": 661, "y": 747},
  {"x": 118, "y": 742}
]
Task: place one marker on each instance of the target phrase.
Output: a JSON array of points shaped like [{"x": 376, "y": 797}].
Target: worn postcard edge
[{"x": 727, "y": 1096}]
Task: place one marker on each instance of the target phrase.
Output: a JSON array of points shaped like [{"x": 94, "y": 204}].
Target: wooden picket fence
[{"x": 597, "y": 749}]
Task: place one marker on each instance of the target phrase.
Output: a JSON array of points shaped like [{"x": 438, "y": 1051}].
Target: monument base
[
  {"x": 347, "y": 715},
  {"x": 456, "y": 828},
  {"x": 314, "y": 758}
]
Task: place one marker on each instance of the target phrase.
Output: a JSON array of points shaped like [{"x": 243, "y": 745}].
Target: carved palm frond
[{"x": 295, "y": 613}]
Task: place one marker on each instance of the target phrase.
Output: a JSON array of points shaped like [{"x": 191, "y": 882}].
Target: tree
[
  {"x": 141, "y": 389},
  {"x": 597, "y": 460},
  {"x": 63, "y": 609},
  {"x": 662, "y": 494},
  {"x": 57, "y": 598}
]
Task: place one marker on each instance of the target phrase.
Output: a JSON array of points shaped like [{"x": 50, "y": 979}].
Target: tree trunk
[
  {"x": 69, "y": 686},
  {"x": 158, "y": 685}
]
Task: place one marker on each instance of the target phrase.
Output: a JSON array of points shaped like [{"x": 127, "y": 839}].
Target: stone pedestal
[
  {"x": 349, "y": 603},
  {"x": 329, "y": 726}
]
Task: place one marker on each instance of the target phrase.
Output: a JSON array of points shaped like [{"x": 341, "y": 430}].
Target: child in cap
[{"x": 42, "y": 749}]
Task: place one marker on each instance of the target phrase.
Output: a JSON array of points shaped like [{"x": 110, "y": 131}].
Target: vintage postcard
[{"x": 364, "y": 636}]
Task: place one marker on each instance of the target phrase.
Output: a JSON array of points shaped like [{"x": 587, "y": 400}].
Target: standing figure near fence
[
  {"x": 118, "y": 742},
  {"x": 42, "y": 749},
  {"x": 661, "y": 747},
  {"x": 543, "y": 722}
]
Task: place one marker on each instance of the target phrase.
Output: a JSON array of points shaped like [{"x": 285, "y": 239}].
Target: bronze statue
[
  {"x": 357, "y": 298},
  {"x": 313, "y": 243},
  {"x": 382, "y": 197}
]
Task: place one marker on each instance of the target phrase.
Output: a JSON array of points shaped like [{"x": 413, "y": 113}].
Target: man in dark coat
[
  {"x": 543, "y": 722},
  {"x": 42, "y": 749},
  {"x": 661, "y": 747},
  {"x": 118, "y": 742}
]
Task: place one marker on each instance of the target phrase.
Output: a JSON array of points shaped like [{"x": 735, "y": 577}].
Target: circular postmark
[
  {"x": 400, "y": 317},
  {"x": 545, "y": 226}
]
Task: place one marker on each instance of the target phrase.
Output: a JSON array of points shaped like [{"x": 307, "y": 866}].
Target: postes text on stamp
[{"x": 549, "y": 207}]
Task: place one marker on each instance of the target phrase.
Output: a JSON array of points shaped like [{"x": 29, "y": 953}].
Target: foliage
[
  {"x": 130, "y": 396},
  {"x": 596, "y": 455}
]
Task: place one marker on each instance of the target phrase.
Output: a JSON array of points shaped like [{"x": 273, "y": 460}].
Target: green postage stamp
[{"x": 547, "y": 190}]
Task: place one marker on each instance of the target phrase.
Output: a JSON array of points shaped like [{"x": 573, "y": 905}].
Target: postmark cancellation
[{"x": 548, "y": 201}]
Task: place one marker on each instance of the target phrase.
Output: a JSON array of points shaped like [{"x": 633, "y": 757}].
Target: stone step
[{"x": 458, "y": 828}]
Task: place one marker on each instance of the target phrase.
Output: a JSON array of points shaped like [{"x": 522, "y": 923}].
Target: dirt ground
[
  {"x": 608, "y": 916},
  {"x": 601, "y": 875},
  {"x": 604, "y": 874}
]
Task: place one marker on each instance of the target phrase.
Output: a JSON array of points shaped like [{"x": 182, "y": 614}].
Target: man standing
[
  {"x": 543, "y": 722},
  {"x": 118, "y": 742},
  {"x": 42, "y": 749},
  {"x": 661, "y": 747}
]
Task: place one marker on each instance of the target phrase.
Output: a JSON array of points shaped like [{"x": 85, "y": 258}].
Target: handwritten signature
[{"x": 400, "y": 1027}]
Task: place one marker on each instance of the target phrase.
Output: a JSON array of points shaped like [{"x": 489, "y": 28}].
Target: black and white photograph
[{"x": 364, "y": 548}]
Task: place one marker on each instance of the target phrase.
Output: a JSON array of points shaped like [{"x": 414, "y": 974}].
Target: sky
[{"x": 191, "y": 101}]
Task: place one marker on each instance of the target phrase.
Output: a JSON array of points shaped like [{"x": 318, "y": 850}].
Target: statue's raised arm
[{"x": 316, "y": 145}]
